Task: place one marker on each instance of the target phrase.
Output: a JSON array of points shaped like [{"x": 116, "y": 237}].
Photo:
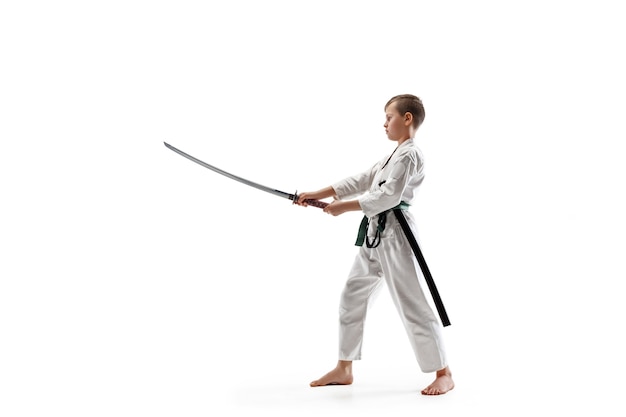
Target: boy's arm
[
  {"x": 349, "y": 187},
  {"x": 389, "y": 194},
  {"x": 335, "y": 208},
  {"x": 355, "y": 185}
]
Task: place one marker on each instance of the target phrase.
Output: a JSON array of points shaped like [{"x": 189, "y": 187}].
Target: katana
[{"x": 293, "y": 197}]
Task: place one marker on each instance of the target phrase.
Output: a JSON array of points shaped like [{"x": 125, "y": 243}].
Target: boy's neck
[{"x": 401, "y": 141}]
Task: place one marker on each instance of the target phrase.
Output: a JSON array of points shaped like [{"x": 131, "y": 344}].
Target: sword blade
[{"x": 232, "y": 176}]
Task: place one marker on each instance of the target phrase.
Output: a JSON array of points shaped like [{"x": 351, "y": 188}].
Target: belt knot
[{"x": 382, "y": 220}]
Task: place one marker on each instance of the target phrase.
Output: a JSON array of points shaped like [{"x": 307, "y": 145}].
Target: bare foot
[
  {"x": 442, "y": 383},
  {"x": 341, "y": 375}
]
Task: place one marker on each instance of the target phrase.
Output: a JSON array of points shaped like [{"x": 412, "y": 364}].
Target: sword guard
[{"x": 310, "y": 201}]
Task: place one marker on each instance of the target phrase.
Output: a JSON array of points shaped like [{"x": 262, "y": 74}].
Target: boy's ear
[{"x": 408, "y": 118}]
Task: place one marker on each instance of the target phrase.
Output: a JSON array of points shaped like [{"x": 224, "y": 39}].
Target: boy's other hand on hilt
[
  {"x": 335, "y": 208},
  {"x": 338, "y": 207}
]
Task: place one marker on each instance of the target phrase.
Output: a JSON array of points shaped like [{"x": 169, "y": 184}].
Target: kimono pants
[{"x": 394, "y": 262}]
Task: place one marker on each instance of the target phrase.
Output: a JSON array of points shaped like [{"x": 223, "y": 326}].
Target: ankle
[{"x": 345, "y": 366}]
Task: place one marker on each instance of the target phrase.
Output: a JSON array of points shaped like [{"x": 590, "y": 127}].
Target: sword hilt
[
  {"x": 315, "y": 203},
  {"x": 311, "y": 201}
]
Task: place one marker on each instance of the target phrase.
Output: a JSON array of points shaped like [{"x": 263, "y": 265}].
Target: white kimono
[{"x": 385, "y": 185}]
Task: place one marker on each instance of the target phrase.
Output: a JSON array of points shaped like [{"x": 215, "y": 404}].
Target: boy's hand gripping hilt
[{"x": 311, "y": 201}]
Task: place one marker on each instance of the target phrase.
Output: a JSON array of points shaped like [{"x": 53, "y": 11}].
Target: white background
[{"x": 134, "y": 282}]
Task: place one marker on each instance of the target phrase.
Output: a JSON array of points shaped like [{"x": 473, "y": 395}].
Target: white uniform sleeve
[
  {"x": 356, "y": 185},
  {"x": 390, "y": 193}
]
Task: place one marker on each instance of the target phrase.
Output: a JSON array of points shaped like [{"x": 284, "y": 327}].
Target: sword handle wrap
[
  {"x": 310, "y": 201},
  {"x": 316, "y": 203}
]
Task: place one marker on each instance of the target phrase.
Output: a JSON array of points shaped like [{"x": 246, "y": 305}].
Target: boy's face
[{"x": 396, "y": 124}]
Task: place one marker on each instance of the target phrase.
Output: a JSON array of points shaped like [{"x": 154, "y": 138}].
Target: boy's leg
[
  {"x": 406, "y": 285},
  {"x": 361, "y": 288},
  {"x": 418, "y": 318}
]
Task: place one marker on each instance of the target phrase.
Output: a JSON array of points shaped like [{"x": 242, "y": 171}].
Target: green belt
[{"x": 382, "y": 220}]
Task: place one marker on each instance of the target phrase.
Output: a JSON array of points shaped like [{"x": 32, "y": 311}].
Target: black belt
[
  {"x": 420, "y": 259},
  {"x": 382, "y": 221},
  {"x": 382, "y": 218}
]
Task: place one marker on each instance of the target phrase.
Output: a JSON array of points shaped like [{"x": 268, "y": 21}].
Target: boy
[{"x": 386, "y": 252}]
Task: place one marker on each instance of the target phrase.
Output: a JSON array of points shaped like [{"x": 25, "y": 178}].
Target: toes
[{"x": 431, "y": 391}]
